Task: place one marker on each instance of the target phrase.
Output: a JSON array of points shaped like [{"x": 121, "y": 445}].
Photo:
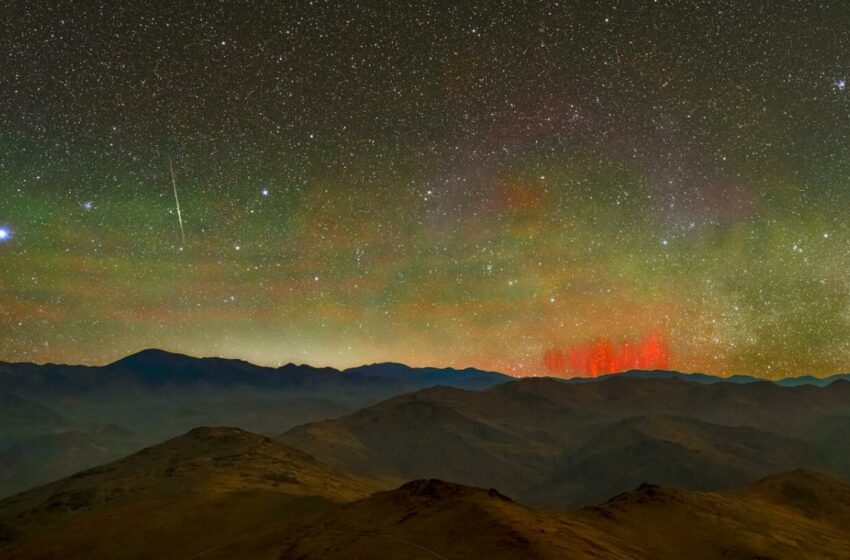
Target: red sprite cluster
[{"x": 601, "y": 357}]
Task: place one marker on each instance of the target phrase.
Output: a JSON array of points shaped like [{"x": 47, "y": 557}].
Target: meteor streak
[{"x": 177, "y": 202}]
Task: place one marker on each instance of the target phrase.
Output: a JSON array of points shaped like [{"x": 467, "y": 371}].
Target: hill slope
[
  {"x": 196, "y": 491},
  {"x": 430, "y": 519},
  {"x": 555, "y": 443},
  {"x": 754, "y": 522},
  {"x": 38, "y": 444},
  {"x": 219, "y": 493},
  {"x": 436, "y": 519}
]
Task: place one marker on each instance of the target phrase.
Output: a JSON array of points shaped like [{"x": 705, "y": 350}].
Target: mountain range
[
  {"x": 548, "y": 442},
  {"x": 58, "y": 419},
  {"x": 388, "y": 461}
]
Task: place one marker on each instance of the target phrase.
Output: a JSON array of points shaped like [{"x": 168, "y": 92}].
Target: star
[{"x": 562, "y": 174}]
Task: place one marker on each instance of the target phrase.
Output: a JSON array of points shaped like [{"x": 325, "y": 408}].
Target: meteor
[{"x": 177, "y": 202}]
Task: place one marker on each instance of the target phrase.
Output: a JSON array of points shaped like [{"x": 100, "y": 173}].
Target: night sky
[{"x": 513, "y": 186}]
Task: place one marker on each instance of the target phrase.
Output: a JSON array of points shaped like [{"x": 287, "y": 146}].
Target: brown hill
[
  {"x": 754, "y": 522},
  {"x": 219, "y": 493},
  {"x": 810, "y": 493},
  {"x": 436, "y": 519},
  {"x": 430, "y": 519},
  {"x": 200, "y": 490}
]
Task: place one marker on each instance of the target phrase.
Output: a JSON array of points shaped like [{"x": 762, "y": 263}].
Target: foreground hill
[
  {"x": 205, "y": 488},
  {"x": 800, "y": 514},
  {"x": 435, "y": 519},
  {"x": 566, "y": 444},
  {"x": 795, "y": 515},
  {"x": 221, "y": 493},
  {"x": 56, "y": 419}
]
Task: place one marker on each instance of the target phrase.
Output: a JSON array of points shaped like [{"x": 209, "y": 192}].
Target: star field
[{"x": 471, "y": 184}]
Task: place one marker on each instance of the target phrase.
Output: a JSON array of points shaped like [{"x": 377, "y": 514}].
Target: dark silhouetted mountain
[
  {"x": 710, "y": 379},
  {"x": 157, "y": 368},
  {"x": 468, "y": 378},
  {"x": 812, "y": 380}
]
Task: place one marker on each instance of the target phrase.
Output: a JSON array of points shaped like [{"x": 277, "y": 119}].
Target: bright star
[
  {"x": 88, "y": 205},
  {"x": 265, "y": 192},
  {"x": 5, "y": 234},
  {"x": 841, "y": 84}
]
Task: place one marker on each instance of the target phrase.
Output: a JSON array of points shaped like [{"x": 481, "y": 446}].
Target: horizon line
[{"x": 454, "y": 368}]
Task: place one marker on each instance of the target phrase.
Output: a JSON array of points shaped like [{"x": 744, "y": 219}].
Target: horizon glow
[{"x": 475, "y": 186}]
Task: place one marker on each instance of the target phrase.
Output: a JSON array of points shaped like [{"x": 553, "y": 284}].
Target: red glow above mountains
[{"x": 602, "y": 357}]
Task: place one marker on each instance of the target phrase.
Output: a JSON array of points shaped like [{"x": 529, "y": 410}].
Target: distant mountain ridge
[
  {"x": 710, "y": 379},
  {"x": 154, "y": 366}
]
